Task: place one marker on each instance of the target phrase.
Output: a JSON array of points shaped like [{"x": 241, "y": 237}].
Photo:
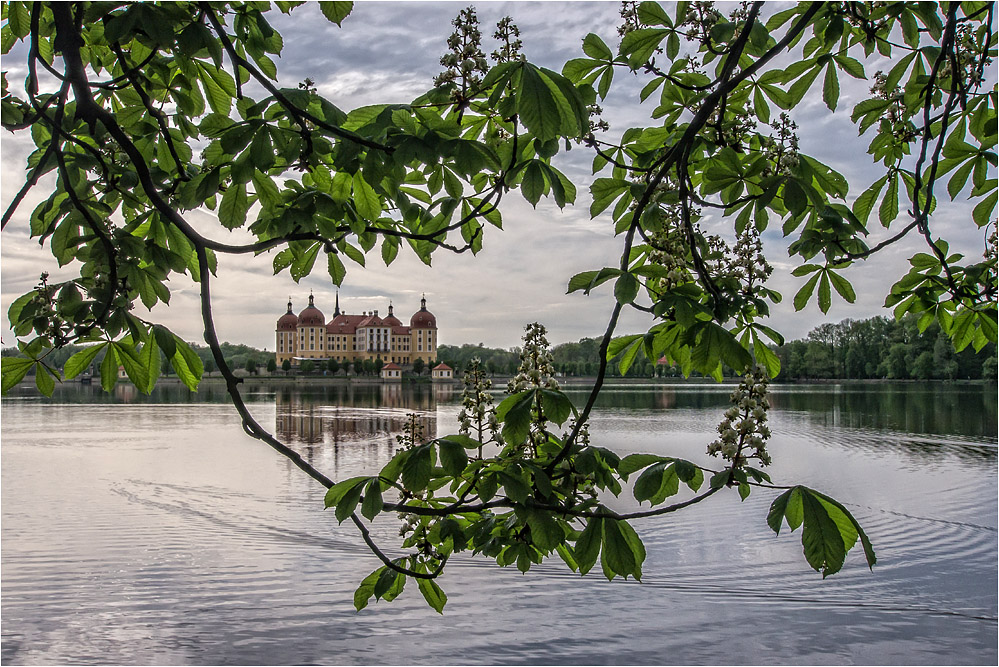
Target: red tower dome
[
  {"x": 311, "y": 316},
  {"x": 288, "y": 321},
  {"x": 391, "y": 320},
  {"x": 423, "y": 319}
]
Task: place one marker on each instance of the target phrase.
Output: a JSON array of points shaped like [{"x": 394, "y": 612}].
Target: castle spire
[
  {"x": 289, "y": 304},
  {"x": 336, "y": 311},
  {"x": 423, "y": 302},
  {"x": 311, "y": 299},
  {"x": 390, "y": 308}
]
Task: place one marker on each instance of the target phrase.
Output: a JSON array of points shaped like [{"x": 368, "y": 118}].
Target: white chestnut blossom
[{"x": 743, "y": 431}]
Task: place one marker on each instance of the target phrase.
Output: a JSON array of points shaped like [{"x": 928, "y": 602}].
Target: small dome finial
[
  {"x": 311, "y": 299},
  {"x": 289, "y": 303},
  {"x": 423, "y": 302}
]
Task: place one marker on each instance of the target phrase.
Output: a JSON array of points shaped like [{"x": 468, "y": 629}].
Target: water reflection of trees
[
  {"x": 935, "y": 409},
  {"x": 968, "y": 410}
]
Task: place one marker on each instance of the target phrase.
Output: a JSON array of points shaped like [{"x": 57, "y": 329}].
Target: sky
[{"x": 388, "y": 52}]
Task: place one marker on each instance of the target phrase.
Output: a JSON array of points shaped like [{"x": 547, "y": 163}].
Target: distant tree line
[
  {"x": 881, "y": 347},
  {"x": 878, "y": 347},
  {"x": 581, "y": 358}
]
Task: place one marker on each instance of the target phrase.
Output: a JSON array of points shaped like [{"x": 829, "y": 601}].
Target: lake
[{"x": 152, "y": 530}]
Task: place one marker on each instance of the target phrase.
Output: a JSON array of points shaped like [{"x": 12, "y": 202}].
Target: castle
[{"x": 355, "y": 337}]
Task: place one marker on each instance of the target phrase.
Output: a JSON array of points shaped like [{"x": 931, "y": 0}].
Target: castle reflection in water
[{"x": 371, "y": 415}]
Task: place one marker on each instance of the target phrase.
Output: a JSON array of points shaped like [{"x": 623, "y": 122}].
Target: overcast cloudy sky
[{"x": 389, "y": 52}]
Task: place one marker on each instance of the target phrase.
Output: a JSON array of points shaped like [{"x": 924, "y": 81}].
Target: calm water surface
[{"x": 151, "y": 530}]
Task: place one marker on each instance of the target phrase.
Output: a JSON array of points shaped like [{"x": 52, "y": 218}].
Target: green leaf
[
  {"x": 639, "y": 45},
  {"x": 651, "y": 13},
  {"x": 80, "y": 361},
  {"x": 620, "y": 552},
  {"x": 340, "y": 187},
  {"x": 463, "y": 440},
  {"x": 635, "y": 462},
  {"x": 433, "y": 594},
  {"x": 587, "y": 280},
  {"x": 533, "y": 184},
  {"x": 794, "y": 197},
  {"x": 825, "y": 296},
  {"x": 805, "y": 293},
  {"x": 766, "y": 357},
  {"x": 165, "y": 339},
  {"x": 336, "y": 12},
  {"x": 557, "y": 406},
  {"x": 982, "y": 214},
  {"x": 830, "y": 87},
  {"x": 417, "y": 468},
  {"x": 794, "y": 514},
  {"x": 235, "y": 204},
  {"x": 219, "y": 100},
  {"x": 109, "y": 369},
  {"x": 149, "y": 357},
  {"x": 344, "y": 496},
  {"x": 604, "y": 192},
  {"x": 626, "y": 288},
  {"x": 889, "y": 205},
  {"x": 821, "y": 538},
  {"x": 843, "y": 287},
  {"x": 187, "y": 364},
  {"x": 373, "y": 502},
  {"x": 517, "y": 489},
  {"x": 348, "y": 503},
  {"x": 367, "y": 588},
  {"x": 851, "y": 66},
  {"x": 537, "y": 106},
  {"x": 390, "y": 584},
  {"x": 649, "y": 482},
  {"x": 595, "y": 47},
  {"x": 628, "y": 358},
  {"x": 390, "y": 249},
  {"x": 19, "y": 19},
  {"x": 453, "y": 457},
  {"x": 689, "y": 474},
  {"x": 44, "y": 380},
  {"x": 134, "y": 367},
  {"x": 366, "y": 200},
  {"x": 587, "y": 546},
  {"x": 266, "y": 191},
  {"x": 865, "y": 542},
  {"x": 775, "y": 517},
  {"x": 865, "y": 202},
  {"x": 716, "y": 343},
  {"x": 336, "y": 268},
  {"x": 515, "y": 414},
  {"x": 13, "y": 371},
  {"x": 798, "y": 89},
  {"x": 546, "y": 532}
]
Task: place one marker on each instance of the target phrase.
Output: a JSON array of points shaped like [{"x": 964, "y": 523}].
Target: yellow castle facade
[{"x": 355, "y": 337}]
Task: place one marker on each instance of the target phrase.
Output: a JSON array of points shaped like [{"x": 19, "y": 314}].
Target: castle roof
[
  {"x": 344, "y": 324},
  {"x": 311, "y": 316},
  {"x": 423, "y": 318},
  {"x": 288, "y": 321}
]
